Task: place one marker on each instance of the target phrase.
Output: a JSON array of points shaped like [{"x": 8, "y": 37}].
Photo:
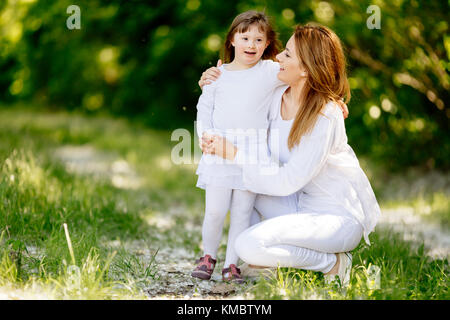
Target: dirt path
[
  {"x": 173, "y": 280},
  {"x": 175, "y": 263},
  {"x": 414, "y": 229}
]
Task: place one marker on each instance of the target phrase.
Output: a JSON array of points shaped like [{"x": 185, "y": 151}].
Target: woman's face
[{"x": 291, "y": 68}]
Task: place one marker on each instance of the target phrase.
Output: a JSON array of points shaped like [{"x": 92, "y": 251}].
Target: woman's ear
[{"x": 304, "y": 73}]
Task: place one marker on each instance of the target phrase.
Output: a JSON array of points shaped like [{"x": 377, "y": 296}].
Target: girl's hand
[
  {"x": 344, "y": 108},
  {"x": 212, "y": 74},
  {"x": 205, "y": 143},
  {"x": 220, "y": 146}
]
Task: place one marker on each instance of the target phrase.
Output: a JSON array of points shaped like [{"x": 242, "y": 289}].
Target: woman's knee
[
  {"x": 247, "y": 247},
  {"x": 354, "y": 238}
]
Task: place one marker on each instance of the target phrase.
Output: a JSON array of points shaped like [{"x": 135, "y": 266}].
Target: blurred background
[
  {"x": 86, "y": 123},
  {"x": 143, "y": 59}
]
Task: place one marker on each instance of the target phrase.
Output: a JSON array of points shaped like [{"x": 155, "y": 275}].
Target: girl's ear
[{"x": 267, "y": 44}]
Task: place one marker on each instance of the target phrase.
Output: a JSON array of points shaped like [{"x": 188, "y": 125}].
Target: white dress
[
  {"x": 236, "y": 106},
  {"x": 322, "y": 169}
]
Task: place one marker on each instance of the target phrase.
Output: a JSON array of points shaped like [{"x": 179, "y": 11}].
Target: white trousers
[
  {"x": 291, "y": 238},
  {"x": 218, "y": 201}
]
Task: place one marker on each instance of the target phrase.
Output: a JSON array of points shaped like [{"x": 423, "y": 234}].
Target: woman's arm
[{"x": 306, "y": 161}]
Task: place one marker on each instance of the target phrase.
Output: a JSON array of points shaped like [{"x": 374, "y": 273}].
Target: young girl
[{"x": 236, "y": 106}]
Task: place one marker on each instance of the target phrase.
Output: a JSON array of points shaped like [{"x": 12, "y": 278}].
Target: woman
[{"x": 324, "y": 200}]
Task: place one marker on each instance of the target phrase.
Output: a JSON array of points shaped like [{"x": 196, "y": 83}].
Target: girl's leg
[
  {"x": 217, "y": 204},
  {"x": 255, "y": 217},
  {"x": 267, "y": 207},
  {"x": 301, "y": 240},
  {"x": 242, "y": 203}
]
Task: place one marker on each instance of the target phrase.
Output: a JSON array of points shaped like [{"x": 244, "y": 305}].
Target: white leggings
[
  {"x": 218, "y": 201},
  {"x": 292, "y": 238}
]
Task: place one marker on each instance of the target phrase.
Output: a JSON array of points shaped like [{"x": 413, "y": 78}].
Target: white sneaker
[
  {"x": 249, "y": 272},
  {"x": 345, "y": 267}
]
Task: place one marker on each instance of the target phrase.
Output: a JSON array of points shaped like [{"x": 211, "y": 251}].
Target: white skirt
[
  {"x": 219, "y": 172},
  {"x": 230, "y": 182}
]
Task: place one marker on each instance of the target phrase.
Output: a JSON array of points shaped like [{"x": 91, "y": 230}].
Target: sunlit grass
[
  {"x": 38, "y": 196},
  {"x": 88, "y": 281},
  {"x": 433, "y": 207},
  {"x": 427, "y": 193},
  {"x": 405, "y": 273}
]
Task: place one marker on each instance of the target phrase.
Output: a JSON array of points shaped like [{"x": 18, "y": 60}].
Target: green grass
[
  {"x": 425, "y": 192},
  {"x": 38, "y": 195},
  {"x": 405, "y": 273}
]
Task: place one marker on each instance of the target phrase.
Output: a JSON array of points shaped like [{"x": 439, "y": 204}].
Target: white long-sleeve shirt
[
  {"x": 238, "y": 99},
  {"x": 236, "y": 106},
  {"x": 322, "y": 168}
]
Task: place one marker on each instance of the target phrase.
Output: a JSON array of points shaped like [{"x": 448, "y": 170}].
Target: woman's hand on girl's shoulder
[
  {"x": 344, "y": 108},
  {"x": 211, "y": 74}
]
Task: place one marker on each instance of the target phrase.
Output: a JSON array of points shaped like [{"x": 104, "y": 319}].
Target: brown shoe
[
  {"x": 232, "y": 274},
  {"x": 204, "y": 268}
]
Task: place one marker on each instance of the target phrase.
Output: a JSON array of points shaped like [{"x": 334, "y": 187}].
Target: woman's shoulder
[
  {"x": 332, "y": 110},
  {"x": 278, "y": 91},
  {"x": 327, "y": 119}
]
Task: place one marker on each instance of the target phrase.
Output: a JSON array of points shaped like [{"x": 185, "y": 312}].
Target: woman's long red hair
[{"x": 320, "y": 53}]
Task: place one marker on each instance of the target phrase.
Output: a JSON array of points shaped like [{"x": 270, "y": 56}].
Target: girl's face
[
  {"x": 292, "y": 70},
  {"x": 249, "y": 46}
]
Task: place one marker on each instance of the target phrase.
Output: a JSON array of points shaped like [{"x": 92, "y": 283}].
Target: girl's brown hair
[
  {"x": 241, "y": 24},
  {"x": 320, "y": 53}
]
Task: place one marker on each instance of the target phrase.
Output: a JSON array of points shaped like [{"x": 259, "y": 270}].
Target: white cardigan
[{"x": 322, "y": 168}]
